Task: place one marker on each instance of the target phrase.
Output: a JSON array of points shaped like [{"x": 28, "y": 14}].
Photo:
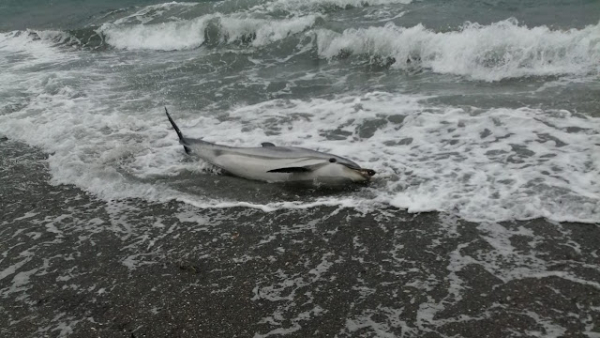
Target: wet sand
[{"x": 75, "y": 266}]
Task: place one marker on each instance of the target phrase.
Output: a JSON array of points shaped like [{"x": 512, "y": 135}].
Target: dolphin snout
[{"x": 367, "y": 173}]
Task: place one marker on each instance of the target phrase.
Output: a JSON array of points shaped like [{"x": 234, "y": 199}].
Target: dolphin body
[{"x": 271, "y": 163}]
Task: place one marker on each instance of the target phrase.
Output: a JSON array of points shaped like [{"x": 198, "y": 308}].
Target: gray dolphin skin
[{"x": 271, "y": 163}]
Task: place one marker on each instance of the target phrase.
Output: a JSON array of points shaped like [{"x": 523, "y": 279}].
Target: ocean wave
[
  {"x": 212, "y": 29},
  {"x": 149, "y": 13},
  {"x": 30, "y": 47},
  {"x": 322, "y": 6},
  {"x": 16, "y": 41},
  {"x": 484, "y": 52},
  {"x": 49, "y": 42}
]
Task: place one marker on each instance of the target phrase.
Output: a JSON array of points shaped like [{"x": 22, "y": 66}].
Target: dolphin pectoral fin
[
  {"x": 297, "y": 170},
  {"x": 291, "y": 170},
  {"x": 267, "y": 144}
]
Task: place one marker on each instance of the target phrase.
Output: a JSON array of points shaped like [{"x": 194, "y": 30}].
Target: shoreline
[{"x": 75, "y": 266}]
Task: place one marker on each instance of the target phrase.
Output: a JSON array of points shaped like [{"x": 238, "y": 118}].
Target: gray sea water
[{"x": 482, "y": 119}]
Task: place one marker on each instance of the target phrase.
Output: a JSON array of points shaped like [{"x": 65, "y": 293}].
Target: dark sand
[{"x": 72, "y": 265}]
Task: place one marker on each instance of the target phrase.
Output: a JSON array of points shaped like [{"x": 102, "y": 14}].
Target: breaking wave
[
  {"x": 484, "y": 52},
  {"x": 322, "y": 6},
  {"x": 213, "y": 29}
]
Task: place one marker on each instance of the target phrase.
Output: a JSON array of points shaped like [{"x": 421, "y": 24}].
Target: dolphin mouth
[{"x": 367, "y": 173}]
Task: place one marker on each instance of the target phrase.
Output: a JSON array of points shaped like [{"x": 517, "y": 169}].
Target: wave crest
[
  {"x": 211, "y": 29},
  {"x": 491, "y": 52}
]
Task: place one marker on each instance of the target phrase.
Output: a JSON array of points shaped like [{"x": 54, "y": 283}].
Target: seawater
[{"x": 490, "y": 115}]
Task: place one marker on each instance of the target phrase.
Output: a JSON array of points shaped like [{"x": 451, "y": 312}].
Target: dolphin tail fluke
[{"x": 179, "y": 134}]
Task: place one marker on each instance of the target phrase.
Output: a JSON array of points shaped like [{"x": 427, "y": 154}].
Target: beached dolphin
[{"x": 271, "y": 163}]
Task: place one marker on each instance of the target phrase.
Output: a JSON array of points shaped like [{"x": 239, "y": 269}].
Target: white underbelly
[{"x": 258, "y": 169}]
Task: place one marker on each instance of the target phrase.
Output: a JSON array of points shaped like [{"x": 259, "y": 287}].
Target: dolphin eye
[{"x": 332, "y": 160}]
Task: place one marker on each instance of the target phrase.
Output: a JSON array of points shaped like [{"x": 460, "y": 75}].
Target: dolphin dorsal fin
[{"x": 267, "y": 144}]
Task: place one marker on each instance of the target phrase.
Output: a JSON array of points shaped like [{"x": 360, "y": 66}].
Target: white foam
[
  {"x": 267, "y": 31},
  {"x": 178, "y": 35},
  {"x": 301, "y": 6},
  {"x": 491, "y": 165},
  {"x": 58, "y": 116},
  {"x": 494, "y": 165},
  {"x": 35, "y": 47},
  {"x": 514, "y": 172},
  {"x": 482, "y": 165},
  {"x": 492, "y": 52},
  {"x": 190, "y": 34},
  {"x": 148, "y": 13}
]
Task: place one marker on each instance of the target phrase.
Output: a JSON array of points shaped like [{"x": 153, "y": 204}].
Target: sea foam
[
  {"x": 213, "y": 28},
  {"x": 479, "y": 163},
  {"x": 482, "y": 164},
  {"x": 301, "y": 6},
  {"x": 492, "y": 52}
]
